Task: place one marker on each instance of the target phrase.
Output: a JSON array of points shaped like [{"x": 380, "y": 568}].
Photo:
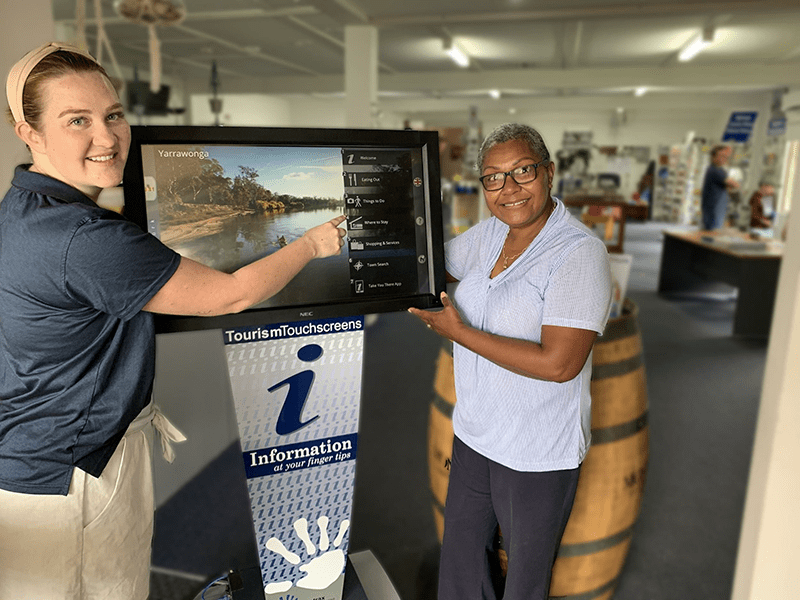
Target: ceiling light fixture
[
  {"x": 457, "y": 54},
  {"x": 640, "y": 91},
  {"x": 697, "y": 45},
  {"x": 495, "y": 94}
]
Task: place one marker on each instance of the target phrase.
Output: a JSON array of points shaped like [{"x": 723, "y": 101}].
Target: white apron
[{"x": 94, "y": 543}]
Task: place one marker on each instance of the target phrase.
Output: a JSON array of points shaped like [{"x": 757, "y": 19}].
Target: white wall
[
  {"x": 264, "y": 110},
  {"x": 17, "y": 37},
  {"x": 318, "y": 112},
  {"x": 770, "y": 539},
  {"x": 253, "y": 110}
]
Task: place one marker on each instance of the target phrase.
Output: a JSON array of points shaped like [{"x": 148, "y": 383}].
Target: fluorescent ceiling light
[
  {"x": 697, "y": 45},
  {"x": 456, "y": 53},
  {"x": 495, "y": 94},
  {"x": 640, "y": 91}
]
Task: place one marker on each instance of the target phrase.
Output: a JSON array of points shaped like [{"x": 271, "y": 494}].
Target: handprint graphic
[{"x": 321, "y": 570}]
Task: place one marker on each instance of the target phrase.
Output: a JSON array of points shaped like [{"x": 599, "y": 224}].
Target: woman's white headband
[{"x": 15, "y": 84}]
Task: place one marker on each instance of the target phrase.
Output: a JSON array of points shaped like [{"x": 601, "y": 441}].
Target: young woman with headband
[{"x": 78, "y": 286}]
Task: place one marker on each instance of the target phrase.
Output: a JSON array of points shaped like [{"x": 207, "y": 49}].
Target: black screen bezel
[{"x": 135, "y": 210}]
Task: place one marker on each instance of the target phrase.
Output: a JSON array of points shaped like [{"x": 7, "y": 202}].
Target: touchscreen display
[{"x": 228, "y": 204}]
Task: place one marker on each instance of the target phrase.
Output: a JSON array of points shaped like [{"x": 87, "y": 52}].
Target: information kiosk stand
[
  {"x": 228, "y": 196},
  {"x": 297, "y": 390}
]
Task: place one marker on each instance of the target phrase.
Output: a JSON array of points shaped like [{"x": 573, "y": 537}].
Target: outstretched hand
[
  {"x": 327, "y": 239},
  {"x": 445, "y": 322}
]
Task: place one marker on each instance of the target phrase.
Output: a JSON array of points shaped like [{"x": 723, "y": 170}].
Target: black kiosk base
[{"x": 364, "y": 579}]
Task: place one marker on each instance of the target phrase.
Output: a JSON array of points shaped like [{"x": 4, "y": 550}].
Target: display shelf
[
  {"x": 468, "y": 207},
  {"x": 677, "y": 192}
]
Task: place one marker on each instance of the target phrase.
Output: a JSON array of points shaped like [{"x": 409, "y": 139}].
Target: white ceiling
[{"x": 524, "y": 48}]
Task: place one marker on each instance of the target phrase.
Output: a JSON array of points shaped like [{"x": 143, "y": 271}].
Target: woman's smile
[{"x": 100, "y": 159}]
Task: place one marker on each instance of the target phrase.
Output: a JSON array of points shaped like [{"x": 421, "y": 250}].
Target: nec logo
[
  {"x": 308, "y": 313},
  {"x": 290, "y": 418}
]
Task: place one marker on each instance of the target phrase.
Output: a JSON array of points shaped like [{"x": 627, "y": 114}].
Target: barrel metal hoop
[
  {"x": 620, "y": 328},
  {"x": 572, "y": 550},
  {"x": 443, "y": 406},
  {"x": 614, "y": 433},
  {"x": 615, "y": 369},
  {"x": 436, "y": 504},
  {"x": 447, "y": 346},
  {"x": 590, "y": 595}
]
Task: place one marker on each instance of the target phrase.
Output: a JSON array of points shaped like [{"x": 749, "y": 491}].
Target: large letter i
[{"x": 299, "y": 389}]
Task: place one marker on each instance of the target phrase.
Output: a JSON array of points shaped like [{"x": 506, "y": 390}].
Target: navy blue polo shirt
[
  {"x": 715, "y": 198},
  {"x": 77, "y": 353}
]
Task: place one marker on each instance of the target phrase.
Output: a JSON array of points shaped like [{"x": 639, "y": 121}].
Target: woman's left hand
[{"x": 445, "y": 322}]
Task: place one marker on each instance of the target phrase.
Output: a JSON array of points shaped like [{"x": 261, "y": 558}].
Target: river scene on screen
[{"x": 226, "y": 206}]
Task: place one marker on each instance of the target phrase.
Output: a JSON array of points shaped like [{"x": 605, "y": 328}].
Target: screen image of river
[
  {"x": 228, "y": 205},
  {"x": 244, "y": 238}
]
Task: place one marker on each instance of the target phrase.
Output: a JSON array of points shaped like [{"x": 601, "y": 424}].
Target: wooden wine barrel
[
  {"x": 440, "y": 433},
  {"x": 598, "y": 535}
]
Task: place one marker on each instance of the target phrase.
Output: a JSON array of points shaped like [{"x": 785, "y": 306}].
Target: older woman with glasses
[{"x": 534, "y": 290}]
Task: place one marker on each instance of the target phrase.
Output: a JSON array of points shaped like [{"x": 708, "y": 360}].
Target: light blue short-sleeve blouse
[{"x": 563, "y": 278}]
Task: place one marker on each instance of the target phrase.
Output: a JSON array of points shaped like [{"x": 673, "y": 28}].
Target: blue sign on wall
[
  {"x": 777, "y": 126},
  {"x": 740, "y": 126}
]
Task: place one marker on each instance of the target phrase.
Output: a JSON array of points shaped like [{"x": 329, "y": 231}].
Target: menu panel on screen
[{"x": 226, "y": 197}]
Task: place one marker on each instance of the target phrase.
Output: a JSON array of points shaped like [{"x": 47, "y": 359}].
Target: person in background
[
  {"x": 644, "y": 189},
  {"x": 762, "y": 206},
  {"x": 78, "y": 286},
  {"x": 716, "y": 185},
  {"x": 533, "y": 293}
]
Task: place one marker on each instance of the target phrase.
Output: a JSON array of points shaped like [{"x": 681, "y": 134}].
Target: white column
[
  {"x": 361, "y": 75},
  {"x": 769, "y": 544},
  {"x": 25, "y": 25}
]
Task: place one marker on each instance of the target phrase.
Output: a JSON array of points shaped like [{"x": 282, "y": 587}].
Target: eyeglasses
[{"x": 524, "y": 174}]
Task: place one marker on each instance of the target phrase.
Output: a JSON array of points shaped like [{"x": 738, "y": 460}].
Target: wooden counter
[
  {"x": 691, "y": 258},
  {"x": 631, "y": 211}
]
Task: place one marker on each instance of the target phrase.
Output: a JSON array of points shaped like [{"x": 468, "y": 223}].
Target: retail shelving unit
[{"x": 677, "y": 194}]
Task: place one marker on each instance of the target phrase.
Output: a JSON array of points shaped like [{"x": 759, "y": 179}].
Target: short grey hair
[{"x": 510, "y": 132}]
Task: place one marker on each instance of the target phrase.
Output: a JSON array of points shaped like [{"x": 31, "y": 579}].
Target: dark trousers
[{"x": 532, "y": 510}]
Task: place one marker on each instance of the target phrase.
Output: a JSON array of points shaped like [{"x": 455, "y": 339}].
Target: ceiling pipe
[
  {"x": 353, "y": 10},
  {"x": 260, "y": 55},
  {"x": 217, "y": 15}
]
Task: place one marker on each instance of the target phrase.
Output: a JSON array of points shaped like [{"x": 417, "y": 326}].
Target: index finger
[{"x": 338, "y": 220}]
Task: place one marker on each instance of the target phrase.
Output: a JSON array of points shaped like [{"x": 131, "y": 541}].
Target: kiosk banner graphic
[{"x": 296, "y": 390}]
